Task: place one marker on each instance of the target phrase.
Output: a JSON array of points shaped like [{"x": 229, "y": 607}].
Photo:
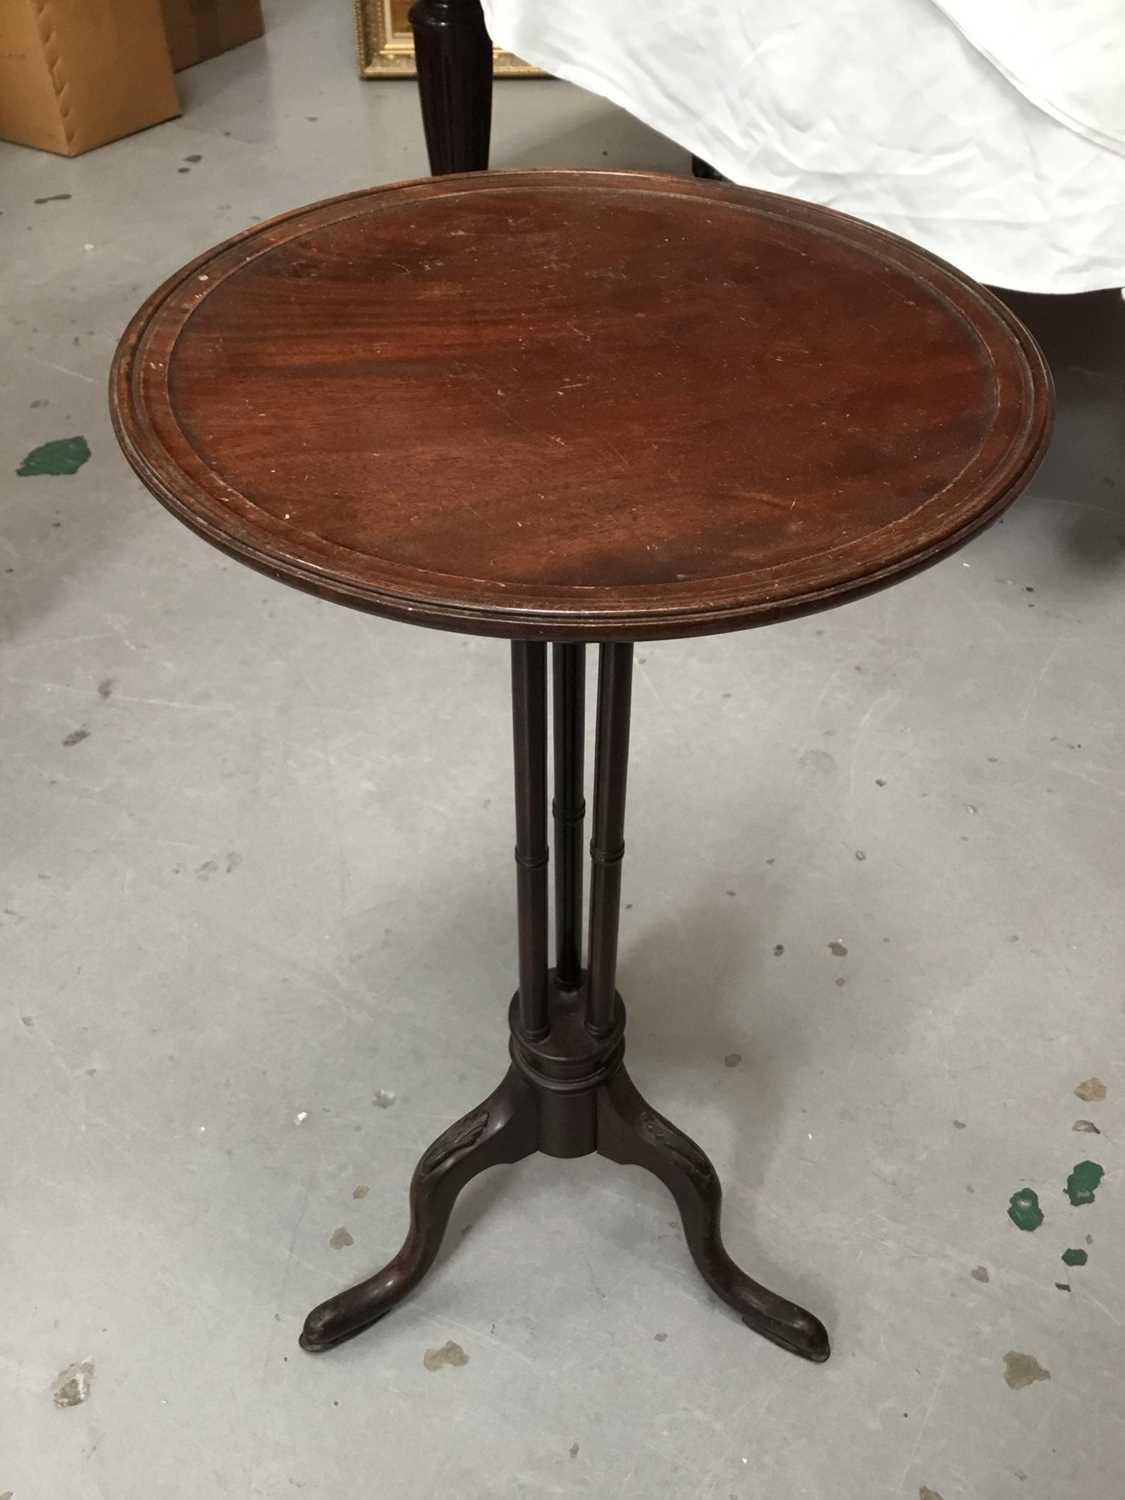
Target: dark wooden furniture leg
[
  {"x": 501, "y": 1129},
  {"x": 567, "y": 1092},
  {"x": 569, "y": 808},
  {"x": 505, "y": 1127},
  {"x": 631, "y": 1132},
  {"x": 454, "y": 57},
  {"x": 529, "y": 730},
  {"x": 607, "y": 847}
]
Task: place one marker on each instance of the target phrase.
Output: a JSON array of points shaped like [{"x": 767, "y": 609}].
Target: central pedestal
[
  {"x": 567, "y": 1092},
  {"x": 566, "y": 1070}
]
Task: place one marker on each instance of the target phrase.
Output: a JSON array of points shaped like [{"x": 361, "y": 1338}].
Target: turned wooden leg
[
  {"x": 529, "y": 726},
  {"x": 454, "y": 57},
  {"x": 631, "y": 1132},
  {"x": 607, "y": 846},
  {"x": 569, "y": 807},
  {"x": 504, "y": 1128}
]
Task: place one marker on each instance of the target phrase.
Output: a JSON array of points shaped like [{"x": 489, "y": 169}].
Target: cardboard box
[
  {"x": 198, "y": 29},
  {"x": 77, "y": 73}
]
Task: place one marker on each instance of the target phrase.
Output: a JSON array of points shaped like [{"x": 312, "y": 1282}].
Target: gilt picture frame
[{"x": 385, "y": 44}]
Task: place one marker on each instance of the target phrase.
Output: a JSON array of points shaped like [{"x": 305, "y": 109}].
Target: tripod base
[{"x": 567, "y": 1095}]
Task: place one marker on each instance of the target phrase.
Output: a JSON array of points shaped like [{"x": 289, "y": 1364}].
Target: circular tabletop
[{"x": 579, "y": 405}]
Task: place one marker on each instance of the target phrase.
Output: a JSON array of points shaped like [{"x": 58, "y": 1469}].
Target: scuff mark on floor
[
  {"x": 449, "y": 1354},
  {"x": 1091, "y": 1091},
  {"x": 72, "y": 1385},
  {"x": 818, "y": 760},
  {"x": 360, "y": 1190},
  {"x": 383, "y": 1098},
  {"x": 1021, "y": 1370},
  {"x": 979, "y": 1273},
  {"x": 341, "y": 1239},
  {"x": 1086, "y": 1127}
]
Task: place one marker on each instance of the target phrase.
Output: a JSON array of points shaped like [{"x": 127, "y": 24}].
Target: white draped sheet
[{"x": 990, "y": 131}]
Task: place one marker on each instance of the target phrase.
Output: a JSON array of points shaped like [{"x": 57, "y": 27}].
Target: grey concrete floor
[{"x": 257, "y": 942}]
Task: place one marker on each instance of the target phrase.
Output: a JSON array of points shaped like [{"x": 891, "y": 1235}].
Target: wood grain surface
[{"x": 579, "y": 405}]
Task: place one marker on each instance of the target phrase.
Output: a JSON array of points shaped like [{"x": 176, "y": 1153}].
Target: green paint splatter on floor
[
  {"x": 1024, "y": 1210},
  {"x": 60, "y": 456},
  {"x": 1082, "y": 1183},
  {"x": 1074, "y": 1257}
]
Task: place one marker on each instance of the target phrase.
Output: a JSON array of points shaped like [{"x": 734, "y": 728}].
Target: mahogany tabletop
[{"x": 579, "y": 405}]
